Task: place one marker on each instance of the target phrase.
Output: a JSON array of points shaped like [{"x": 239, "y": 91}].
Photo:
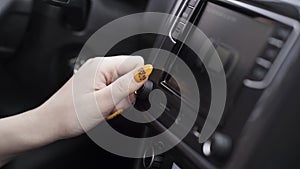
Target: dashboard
[
  {"x": 253, "y": 44},
  {"x": 256, "y": 43}
]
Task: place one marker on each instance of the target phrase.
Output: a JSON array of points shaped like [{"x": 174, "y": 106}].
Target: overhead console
[{"x": 253, "y": 43}]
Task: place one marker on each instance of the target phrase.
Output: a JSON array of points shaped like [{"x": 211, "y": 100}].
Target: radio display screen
[
  {"x": 246, "y": 34},
  {"x": 238, "y": 38}
]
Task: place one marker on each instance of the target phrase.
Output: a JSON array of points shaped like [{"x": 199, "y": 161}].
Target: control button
[
  {"x": 193, "y": 3},
  {"x": 276, "y": 42},
  {"x": 271, "y": 53},
  {"x": 282, "y": 33},
  {"x": 182, "y": 20},
  {"x": 180, "y": 27},
  {"x": 258, "y": 73},
  {"x": 175, "y": 34},
  {"x": 218, "y": 147},
  {"x": 186, "y": 14},
  {"x": 264, "y": 63},
  {"x": 178, "y": 30}
]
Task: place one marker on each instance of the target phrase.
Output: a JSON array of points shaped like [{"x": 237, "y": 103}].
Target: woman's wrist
[
  {"x": 46, "y": 126},
  {"x": 26, "y": 131}
]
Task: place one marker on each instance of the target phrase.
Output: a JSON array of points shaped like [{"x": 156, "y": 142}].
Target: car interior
[{"x": 258, "y": 42}]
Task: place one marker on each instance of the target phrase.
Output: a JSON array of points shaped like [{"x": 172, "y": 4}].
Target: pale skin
[{"x": 109, "y": 81}]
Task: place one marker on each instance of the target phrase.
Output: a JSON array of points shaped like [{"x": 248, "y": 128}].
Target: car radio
[{"x": 252, "y": 44}]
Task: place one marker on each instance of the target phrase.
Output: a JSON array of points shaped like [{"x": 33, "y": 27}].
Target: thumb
[{"x": 110, "y": 96}]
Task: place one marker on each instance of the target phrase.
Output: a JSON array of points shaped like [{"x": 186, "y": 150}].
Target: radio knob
[
  {"x": 144, "y": 92},
  {"x": 218, "y": 147},
  {"x": 142, "y": 96}
]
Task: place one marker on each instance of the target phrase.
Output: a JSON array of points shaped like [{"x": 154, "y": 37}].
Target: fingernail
[
  {"x": 115, "y": 114},
  {"x": 143, "y": 73}
]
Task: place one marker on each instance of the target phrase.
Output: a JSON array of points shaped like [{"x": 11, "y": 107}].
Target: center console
[{"x": 253, "y": 43}]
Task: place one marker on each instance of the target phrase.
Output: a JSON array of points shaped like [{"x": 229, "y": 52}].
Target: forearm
[{"x": 26, "y": 131}]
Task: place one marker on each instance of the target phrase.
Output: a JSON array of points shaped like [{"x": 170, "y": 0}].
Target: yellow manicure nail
[
  {"x": 143, "y": 73},
  {"x": 115, "y": 114}
]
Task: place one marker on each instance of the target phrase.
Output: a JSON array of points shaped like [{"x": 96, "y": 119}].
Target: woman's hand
[{"x": 100, "y": 87}]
